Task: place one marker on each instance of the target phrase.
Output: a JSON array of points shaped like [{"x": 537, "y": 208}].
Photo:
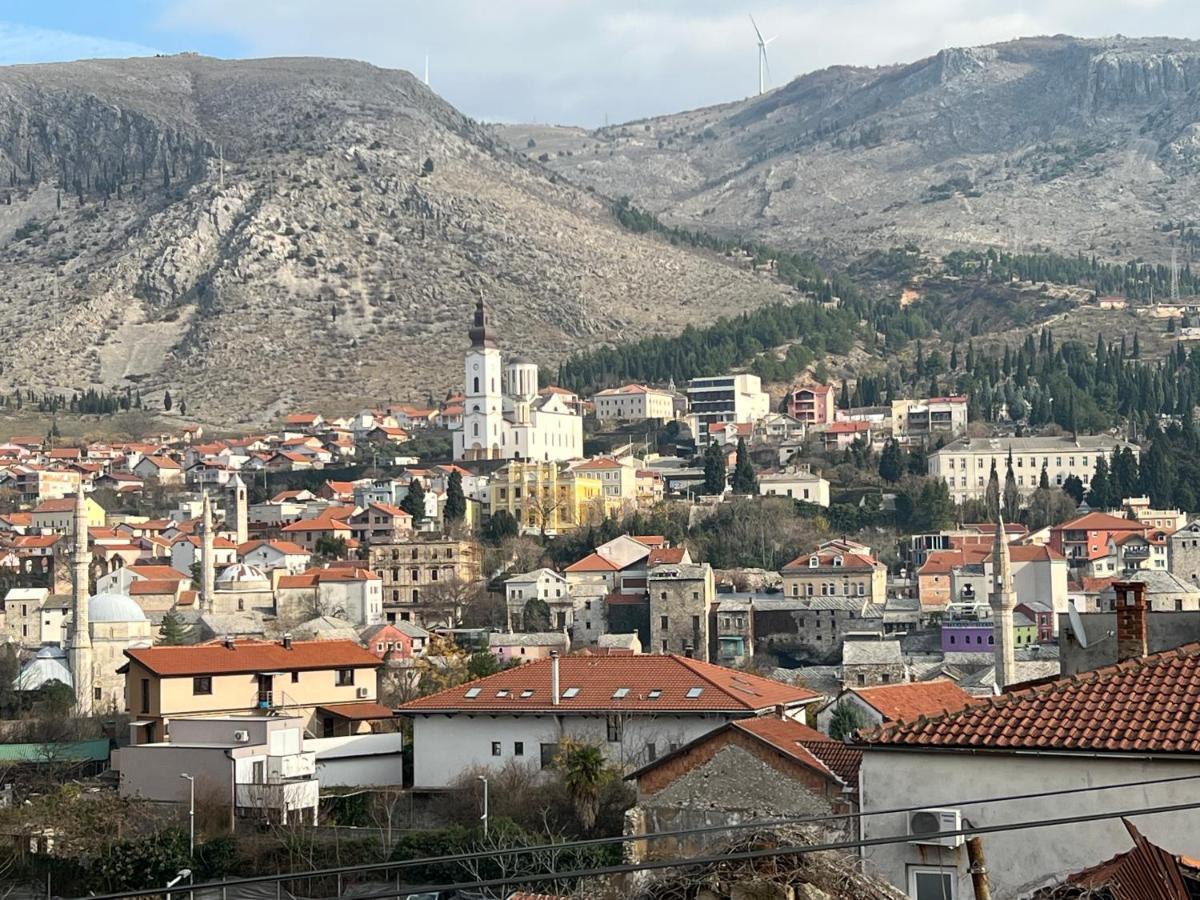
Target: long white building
[
  {"x": 966, "y": 464},
  {"x": 504, "y": 417}
]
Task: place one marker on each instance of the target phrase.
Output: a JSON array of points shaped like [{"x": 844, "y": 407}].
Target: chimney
[
  {"x": 229, "y": 642},
  {"x": 688, "y": 651},
  {"x": 287, "y": 640},
  {"x": 554, "y": 677},
  {"x": 1131, "y": 619}
]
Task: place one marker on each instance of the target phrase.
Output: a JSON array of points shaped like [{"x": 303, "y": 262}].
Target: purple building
[{"x": 975, "y": 635}]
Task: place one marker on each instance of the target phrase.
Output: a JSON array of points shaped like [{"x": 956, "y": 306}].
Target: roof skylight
[
  {"x": 472, "y": 693},
  {"x": 695, "y": 692},
  {"x": 570, "y": 692}
]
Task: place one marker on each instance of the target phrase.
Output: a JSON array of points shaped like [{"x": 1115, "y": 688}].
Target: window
[
  {"x": 526, "y": 694},
  {"x": 496, "y": 751},
  {"x": 695, "y": 692},
  {"x": 98, "y": 693},
  {"x": 518, "y": 748},
  {"x": 202, "y": 684},
  {"x": 663, "y": 623},
  {"x": 547, "y": 753},
  {"x": 931, "y": 883},
  {"x": 570, "y": 692},
  {"x": 614, "y": 727},
  {"x": 654, "y": 694},
  {"x": 651, "y": 752},
  {"x": 345, "y": 677},
  {"x": 620, "y": 693},
  {"x": 145, "y": 695},
  {"x": 472, "y": 693}
]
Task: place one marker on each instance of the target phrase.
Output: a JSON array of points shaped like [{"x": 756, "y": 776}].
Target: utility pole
[
  {"x": 484, "y": 817},
  {"x": 979, "y": 872}
]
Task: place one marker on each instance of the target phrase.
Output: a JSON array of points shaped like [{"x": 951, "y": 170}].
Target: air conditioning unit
[
  {"x": 361, "y": 693},
  {"x": 935, "y": 827},
  {"x": 241, "y": 737}
]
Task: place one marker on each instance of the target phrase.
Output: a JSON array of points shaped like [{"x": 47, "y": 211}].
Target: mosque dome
[
  {"x": 115, "y": 608},
  {"x": 240, "y": 576},
  {"x": 49, "y": 664}
]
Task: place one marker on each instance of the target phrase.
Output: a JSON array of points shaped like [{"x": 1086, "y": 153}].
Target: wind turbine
[{"x": 764, "y": 68}]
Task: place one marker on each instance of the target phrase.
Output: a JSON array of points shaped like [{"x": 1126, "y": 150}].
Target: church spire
[
  {"x": 478, "y": 332},
  {"x": 1003, "y": 603}
]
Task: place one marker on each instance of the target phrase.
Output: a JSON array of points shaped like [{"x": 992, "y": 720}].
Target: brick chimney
[{"x": 1131, "y": 619}]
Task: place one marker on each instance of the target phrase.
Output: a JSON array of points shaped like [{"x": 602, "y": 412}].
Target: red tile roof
[
  {"x": 1098, "y": 521},
  {"x": 595, "y": 679},
  {"x": 357, "y": 712},
  {"x": 593, "y": 562},
  {"x": 1147, "y": 705},
  {"x": 902, "y": 702},
  {"x": 786, "y": 735},
  {"x": 155, "y": 586},
  {"x": 252, "y": 656},
  {"x": 1145, "y": 871},
  {"x": 850, "y": 560},
  {"x": 158, "y": 573},
  {"x": 670, "y": 556}
]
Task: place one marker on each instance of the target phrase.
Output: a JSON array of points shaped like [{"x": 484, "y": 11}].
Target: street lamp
[
  {"x": 191, "y": 814},
  {"x": 484, "y": 817}
]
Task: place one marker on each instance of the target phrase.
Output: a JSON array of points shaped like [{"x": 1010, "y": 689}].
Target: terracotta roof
[
  {"x": 670, "y": 556},
  {"x": 940, "y": 562},
  {"x": 848, "y": 427},
  {"x": 252, "y": 656},
  {"x": 1098, "y": 521},
  {"x": 357, "y": 712},
  {"x": 838, "y": 756},
  {"x": 896, "y": 702},
  {"x": 152, "y": 586},
  {"x": 596, "y": 680},
  {"x": 157, "y": 573},
  {"x": 162, "y": 462},
  {"x": 593, "y": 562},
  {"x": 825, "y": 558},
  {"x": 600, "y": 462},
  {"x": 288, "y": 547},
  {"x": 650, "y": 540},
  {"x": 785, "y": 735},
  {"x": 1147, "y": 705},
  {"x": 66, "y": 504},
  {"x": 1145, "y": 871}
]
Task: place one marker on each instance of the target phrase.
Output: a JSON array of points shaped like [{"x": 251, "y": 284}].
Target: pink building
[{"x": 812, "y": 404}]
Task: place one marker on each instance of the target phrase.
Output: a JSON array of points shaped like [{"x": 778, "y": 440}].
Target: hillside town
[{"x": 685, "y": 608}]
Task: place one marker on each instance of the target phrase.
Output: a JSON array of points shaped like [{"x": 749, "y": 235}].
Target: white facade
[
  {"x": 504, "y": 417},
  {"x": 634, "y": 403},
  {"x": 726, "y": 398},
  {"x": 444, "y": 747},
  {"x": 1019, "y": 861},
  {"x": 966, "y": 464},
  {"x": 268, "y": 556},
  {"x": 798, "y": 485}
]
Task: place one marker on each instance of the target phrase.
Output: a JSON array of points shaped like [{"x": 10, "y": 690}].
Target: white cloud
[
  {"x": 27, "y": 44},
  {"x": 578, "y": 60}
]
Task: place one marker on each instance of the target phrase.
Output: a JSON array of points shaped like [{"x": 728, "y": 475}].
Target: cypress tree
[
  {"x": 414, "y": 501},
  {"x": 456, "y": 501},
  {"x": 714, "y": 469},
  {"x": 744, "y": 479}
]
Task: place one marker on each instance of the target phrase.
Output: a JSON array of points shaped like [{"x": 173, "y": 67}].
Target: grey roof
[
  {"x": 620, "y": 641},
  {"x": 1038, "y": 606},
  {"x": 531, "y": 577},
  {"x": 327, "y": 628},
  {"x": 825, "y": 680},
  {"x": 1157, "y": 581},
  {"x": 861, "y": 653},
  {"x": 1061, "y": 444},
  {"x": 114, "y": 608},
  {"x": 413, "y": 631},
  {"x": 1020, "y": 620},
  {"x": 983, "y": 682},
  {"x": 530, "y": 639},
  {"x": 679, "y": 570},
  {"x": 784, "y": 603},
  {"x": 49, "y": 664}
]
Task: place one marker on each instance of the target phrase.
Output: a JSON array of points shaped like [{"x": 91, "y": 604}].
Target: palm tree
[{"x": 582, "y": 767}]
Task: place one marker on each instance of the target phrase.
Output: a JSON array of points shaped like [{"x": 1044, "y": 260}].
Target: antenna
[
  {"x": 1077, "y": 625},
  {"x": 426, "y": 70},
  {"x": 764, "y": 68}
]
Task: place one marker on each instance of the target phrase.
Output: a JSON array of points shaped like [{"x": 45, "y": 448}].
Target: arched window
[
  {"x": 475, "y": 429},
  {"x": 475, "y": 390}
]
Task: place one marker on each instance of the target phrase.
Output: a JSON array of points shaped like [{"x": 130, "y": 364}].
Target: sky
[{"x": 582, "y": 62}]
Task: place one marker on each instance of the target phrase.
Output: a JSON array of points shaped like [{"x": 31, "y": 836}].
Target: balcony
[
  {"x": 292, "y": 765},
  {"x": 277, "y": 797}
]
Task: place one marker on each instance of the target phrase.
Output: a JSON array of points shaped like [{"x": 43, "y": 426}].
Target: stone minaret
[
  {"x": 80, "y": 638},
  {"x": 1003, "y": 602},
  {"x": 207, "y": 567},
  {"x": 241, "y": 512}
]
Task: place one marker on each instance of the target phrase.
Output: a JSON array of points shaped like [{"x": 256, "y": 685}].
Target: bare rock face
[
  {"x": 264, "y": 235},
  {"x": 1076, "y": 145}
]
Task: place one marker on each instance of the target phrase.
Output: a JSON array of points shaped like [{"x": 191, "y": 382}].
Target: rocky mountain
[
  {"x": 264, "y": 235},
  {"x": 1071, "y": 144}
]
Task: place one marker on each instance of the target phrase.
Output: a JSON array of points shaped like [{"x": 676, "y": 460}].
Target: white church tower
[{"x": 482, "y": 430}]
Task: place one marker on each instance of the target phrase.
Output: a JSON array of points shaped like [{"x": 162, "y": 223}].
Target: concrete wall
[
  {"x": 359, "y": 760},
  {"x": 152, "y": 772},
  {"x": 446, "y": 746},
  {"x": 1021, "y": 861}
]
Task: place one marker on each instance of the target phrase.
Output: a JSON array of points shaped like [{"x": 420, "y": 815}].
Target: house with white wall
[
  {"x": 1129, "y": 722},
  {"x": 634, "y": 707}
]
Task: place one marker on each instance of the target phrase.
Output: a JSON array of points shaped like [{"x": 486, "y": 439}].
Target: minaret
[
  {"x": 206, "y": 555},
  {"x": 241, "y": 526},
  {"x": 80, "y": 639},
  {"x": 1003, "y": 603}
]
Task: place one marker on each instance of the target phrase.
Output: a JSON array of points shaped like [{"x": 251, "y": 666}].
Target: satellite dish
[{"x": 1077, "y": 625}]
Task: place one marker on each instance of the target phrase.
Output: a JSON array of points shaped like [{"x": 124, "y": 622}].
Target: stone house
[{"x": 681, "y": 600}]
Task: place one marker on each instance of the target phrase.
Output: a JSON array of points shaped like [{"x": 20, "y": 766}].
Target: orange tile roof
[
  {"x": 1146, "y": 705},
  {"x": 157, "y": 573},
  {"x": 153, "y": 586},
  {"x": 660, "y": 556},
  {"x": 597, "y": 678},
  {"x": 357, "y": 712},
  {"x": 66, "y": 504},
  {"x": 288, "y": 547},
  {"x": 593, "y": 562},
  {"x": 825, "y": 557},
  {"x": 788, "y": 737},
  {"x": 1098, "y": 521},
  {"x": 252, "y": 656},
  {"x": 909, "y": 700}
]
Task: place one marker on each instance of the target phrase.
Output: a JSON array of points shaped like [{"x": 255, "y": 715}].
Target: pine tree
[
  {"x": 992, "y": 494},
  {"x": 890, "y": 462},
  {"x": 1100, "y": 493},
  {"x": 1043, "y": 480},
  {"x": 174, "y": 631},
  {"x": 1073, "y": 488},
  {"x": 714, "y": 469},
  {"x": 414, "y": 501},
  {"x": 456, "y": 501},
  {"x": 744, "y": 479}
]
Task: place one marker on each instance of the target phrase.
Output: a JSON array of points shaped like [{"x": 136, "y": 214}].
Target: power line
[
  {"x": 658, "y": 835},
  {"x": 745, "y": 855}
]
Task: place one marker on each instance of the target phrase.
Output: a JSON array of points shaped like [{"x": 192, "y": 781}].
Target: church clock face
[{"x": 475, "y": 367}]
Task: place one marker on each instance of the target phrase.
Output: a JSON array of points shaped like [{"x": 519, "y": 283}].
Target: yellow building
[{"x": 544, "y": 497}]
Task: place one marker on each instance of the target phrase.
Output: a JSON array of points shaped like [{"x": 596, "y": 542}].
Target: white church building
[{"x": 504, "y": 417}]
